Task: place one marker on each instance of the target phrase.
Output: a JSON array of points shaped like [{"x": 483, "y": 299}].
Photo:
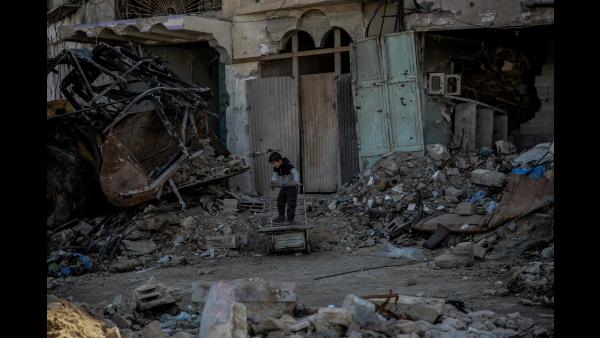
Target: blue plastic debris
[
  {"x": 535, "y": 173},
  {"x": 491, "y": 207},
  {"x": 485, "y": 152},
  {"x": 521, "y": 171},
  {"x": 65, "y": 272},
  {"x": 85, "y": 260},
  {"x": 478, "y": 196}
]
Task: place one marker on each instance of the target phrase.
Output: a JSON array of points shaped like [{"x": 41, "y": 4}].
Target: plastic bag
[
  {"x": 477, "y": 197},
  {"x": 389, "y": 250}
]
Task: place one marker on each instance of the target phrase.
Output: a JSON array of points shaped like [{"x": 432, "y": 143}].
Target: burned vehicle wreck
[{"x": 129, "y": 131}]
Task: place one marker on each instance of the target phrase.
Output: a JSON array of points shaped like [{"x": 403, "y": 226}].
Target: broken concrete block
[
  {"x": 505, "y": 147},
  {"x": 223, "y": 242},
  {"x": 139, "y": 248},
  {"x": 153, "y": 330},
  {"x": 479, "y": 251},
  {"x": 336, "y": 316},
  {"x": 450, "y": 261},
  {"x": 466, "y": 208},
  {"x": 155, "y": 223},
  {"x": 230, "y": 205},
  {"x": 360, "y": 309},
  {"x": 222, "y": 316},
  {"x": 418, "y": 308},
  {"x": 188, "y": 223},
  {"x": 151, "y": 295},
  {"x": 199, "y": 293},
  {"x": 463, "y": 249},
  {"x": 453, "y": 193},
  {"x": 120, "y": 321},
  {"x": 488, "y": 177},
  {"x": 261, "y": 298},
  {"x": 437, "y": 152},
  {"x": 299, "y": 325},
  {"x": 452, "y": 171}
]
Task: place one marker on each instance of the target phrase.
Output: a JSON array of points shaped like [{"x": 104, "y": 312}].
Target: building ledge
[{"x": 173, "y": 29}]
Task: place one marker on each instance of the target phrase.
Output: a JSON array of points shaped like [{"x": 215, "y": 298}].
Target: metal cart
[{"x": 287, "y": 237}]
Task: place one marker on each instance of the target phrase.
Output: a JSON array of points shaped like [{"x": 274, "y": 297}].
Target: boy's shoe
[
  {"x": 290, "y": 221},
  {"x": 278, "y": 220}
]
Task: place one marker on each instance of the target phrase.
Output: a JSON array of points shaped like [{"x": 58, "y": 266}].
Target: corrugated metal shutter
[
  {"x": 347, "y": 128},
  {"x": 320, "y": 132},
  {"x": 273, "y": 119}
]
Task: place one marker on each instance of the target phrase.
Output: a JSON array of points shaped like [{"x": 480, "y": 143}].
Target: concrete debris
[
  {"x": 153, "y": 330},
  {"x": 466, "y": 208},
  {"x": 361, "y": 310},
  {"x": 534, "y": 282},
  {"x": 505, "y": 147},
  {"x": 437, "y": 152},
  {"x": 460, "y": 256},
  {"x": 488, "y": 177},
  {"x": 417, "y": 308},
  {"x": 151, "y": 295}
]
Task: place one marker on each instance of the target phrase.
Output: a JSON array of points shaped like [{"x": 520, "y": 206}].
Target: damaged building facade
[{"x": 334, "y": 85}]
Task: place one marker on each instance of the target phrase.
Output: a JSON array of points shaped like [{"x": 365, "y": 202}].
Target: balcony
[{"x": 130, "y": 9}]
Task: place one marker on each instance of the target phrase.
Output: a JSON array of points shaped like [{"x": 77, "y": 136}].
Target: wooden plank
[
  {"x": 289, "y": 55},
  {"x": 337, "y": 41},
  {"x": 319, "y": 123}
]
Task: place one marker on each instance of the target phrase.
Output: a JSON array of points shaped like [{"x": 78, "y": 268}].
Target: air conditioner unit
[
  {"x": 443, "y": 84},
  {"x": 435, "y": 84},
  {"x": 452, "y": 84},
  {"x": 58, "y": 9}
]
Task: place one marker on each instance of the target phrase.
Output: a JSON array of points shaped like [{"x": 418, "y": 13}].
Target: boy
[{"x": 288, "y": 177}]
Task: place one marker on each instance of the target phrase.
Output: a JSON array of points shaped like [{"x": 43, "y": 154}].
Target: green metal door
[
  {"x": 406, "y": 132},
  {"x": 388, "y": 102},
  {"x": 371, "y": 113}
]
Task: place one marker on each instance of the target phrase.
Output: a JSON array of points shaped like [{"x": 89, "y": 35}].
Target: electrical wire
[
  {"x": 372, "y": 17},
  {"x": 267, "y": 18},
  {"x": 383, "y": 18}
]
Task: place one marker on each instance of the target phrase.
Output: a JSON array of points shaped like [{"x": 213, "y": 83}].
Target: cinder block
[
  {"x": 544, "y": 81},
  {"x": 531, "y": 128}
]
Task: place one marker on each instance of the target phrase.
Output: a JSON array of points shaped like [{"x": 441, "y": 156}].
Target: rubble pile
[
  {"x": 534, "y": 283},
  {"x": 154, "y": 237},
  {"x": 246, "y": 308},
  {"x": 404, "y": 188},
  {"x": 207, "y": 166}
]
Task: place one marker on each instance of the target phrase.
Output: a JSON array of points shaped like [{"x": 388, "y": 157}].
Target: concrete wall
[
  {"x": 457, "y": 14},
  {"x": 436, "y": 59},
  {"x": 254, "y": 36},
  {"x": 540, "y": 129},
  {"x": 238, "y": 130},
  {"x": 88, "y": 13}
]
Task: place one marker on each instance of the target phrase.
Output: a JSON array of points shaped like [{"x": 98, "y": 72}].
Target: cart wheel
[
  {"x": 269, "y": 243},
  {"x": 308, "y": 247}
]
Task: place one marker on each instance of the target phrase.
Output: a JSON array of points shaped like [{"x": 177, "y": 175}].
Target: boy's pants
[{"x": 287, "y": 195}]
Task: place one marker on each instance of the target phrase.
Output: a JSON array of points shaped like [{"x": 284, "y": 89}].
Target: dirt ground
[{"x": 466, "y": 284}]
